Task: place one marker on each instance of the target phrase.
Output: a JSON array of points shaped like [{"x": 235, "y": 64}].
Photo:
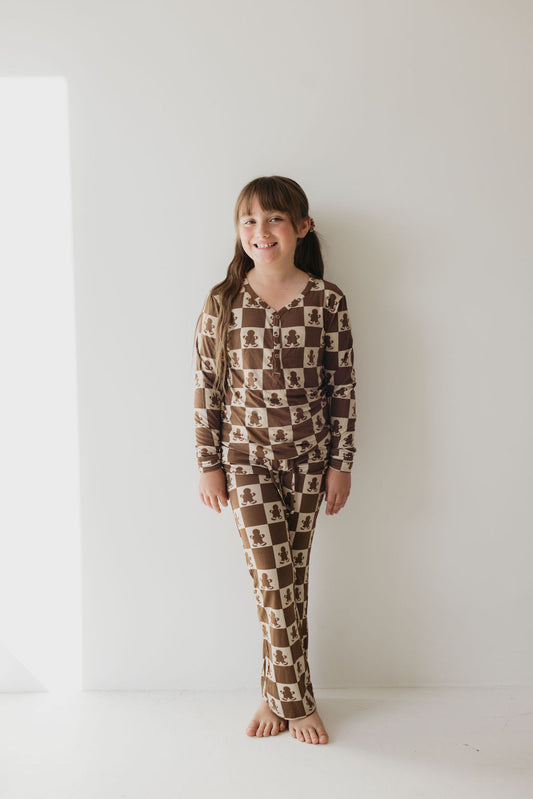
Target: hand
[
  {"x": 213, "y": 489},
  {"x": 337, "y": 490}
]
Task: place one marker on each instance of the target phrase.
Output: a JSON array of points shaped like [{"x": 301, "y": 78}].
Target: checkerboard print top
[{"x": 290, "y": 386}]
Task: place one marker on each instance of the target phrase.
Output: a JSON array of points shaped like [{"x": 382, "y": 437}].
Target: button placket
[{"x": 276, "y": 335}]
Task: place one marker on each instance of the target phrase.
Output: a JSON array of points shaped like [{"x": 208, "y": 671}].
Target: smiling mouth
[{"x": 265, "y": 246}]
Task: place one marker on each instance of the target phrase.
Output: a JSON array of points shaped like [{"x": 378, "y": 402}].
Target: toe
[
  {"x": 314, "y": 737},
  {"x": 260, "y": 729},
  {"x": 251, "y": 729},
  {"x": 268, "y": 728}
]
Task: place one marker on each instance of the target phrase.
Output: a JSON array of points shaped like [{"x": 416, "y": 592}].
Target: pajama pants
[{"x": 275, "y": 508}]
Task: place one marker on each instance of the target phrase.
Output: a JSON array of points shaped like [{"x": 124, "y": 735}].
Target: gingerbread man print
[{"x": 292, "y": 339}]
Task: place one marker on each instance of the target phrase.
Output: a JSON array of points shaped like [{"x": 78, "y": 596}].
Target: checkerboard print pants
[{"x": 276, "y": 508}]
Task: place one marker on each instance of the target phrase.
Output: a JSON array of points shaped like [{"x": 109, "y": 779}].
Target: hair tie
[{"x": 313, "y": 226}]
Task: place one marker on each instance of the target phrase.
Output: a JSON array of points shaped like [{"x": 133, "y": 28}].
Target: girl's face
[{"x": 268, "y": 237}]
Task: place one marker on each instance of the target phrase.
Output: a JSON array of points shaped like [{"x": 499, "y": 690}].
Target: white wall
[
  {"x": 409, "y": 125},
  {"x": 40, "y": 564}
]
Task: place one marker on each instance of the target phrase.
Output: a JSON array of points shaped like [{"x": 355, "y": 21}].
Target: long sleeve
[
  {"x": 340, "y": 377},
  {"x": 208, "y": 402}
]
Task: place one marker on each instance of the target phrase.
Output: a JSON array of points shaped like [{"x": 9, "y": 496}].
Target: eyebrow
[{"x": 271, "y": 211}]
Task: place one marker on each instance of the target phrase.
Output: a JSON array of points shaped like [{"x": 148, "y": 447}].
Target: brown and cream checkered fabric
[
  {"x": 275, "y": 512},
  {"x": 290, "y": 386}
]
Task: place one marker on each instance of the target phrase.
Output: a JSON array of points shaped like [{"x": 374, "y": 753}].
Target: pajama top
[{"x": 290, "y": 384}]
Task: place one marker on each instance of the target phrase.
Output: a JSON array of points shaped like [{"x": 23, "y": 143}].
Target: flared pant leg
[{"x": 275, "y": 511}]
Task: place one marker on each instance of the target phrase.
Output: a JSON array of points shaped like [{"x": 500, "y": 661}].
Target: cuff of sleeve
[
  {"x": 210, "y": 468},
  {"x": 339, "y": 465}
]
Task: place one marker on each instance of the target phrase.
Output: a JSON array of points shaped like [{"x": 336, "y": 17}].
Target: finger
[
  {"x": 330, "y": 504},
  {"x": 223, "y": 497},
  {"x": 214, "y": 503},
  {"x": 336, "y": 505},
  {"x": 211, "y": 502}
]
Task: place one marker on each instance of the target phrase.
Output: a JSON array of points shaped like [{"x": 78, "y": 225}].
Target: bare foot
[
  {"x": 265, "y": 722},
  {"x": 309, "y": 730}
]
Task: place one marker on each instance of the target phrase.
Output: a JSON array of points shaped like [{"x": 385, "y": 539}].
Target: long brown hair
[{"x": 274, "y": 193}]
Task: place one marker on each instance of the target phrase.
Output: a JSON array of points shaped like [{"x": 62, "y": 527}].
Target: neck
[{"x": 278, "y": 273}]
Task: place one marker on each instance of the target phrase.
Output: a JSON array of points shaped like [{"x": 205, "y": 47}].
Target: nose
[{"x": 263, "y": 229}]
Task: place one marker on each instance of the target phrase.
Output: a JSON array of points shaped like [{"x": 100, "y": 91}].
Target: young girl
[{"x": 274, "y": 417}]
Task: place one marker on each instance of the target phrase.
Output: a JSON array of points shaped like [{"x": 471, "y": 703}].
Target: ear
[{"x": 304, "y": 227}]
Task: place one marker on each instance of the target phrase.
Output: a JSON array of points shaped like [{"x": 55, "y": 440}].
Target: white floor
[{"x": 457, "y": 743}]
